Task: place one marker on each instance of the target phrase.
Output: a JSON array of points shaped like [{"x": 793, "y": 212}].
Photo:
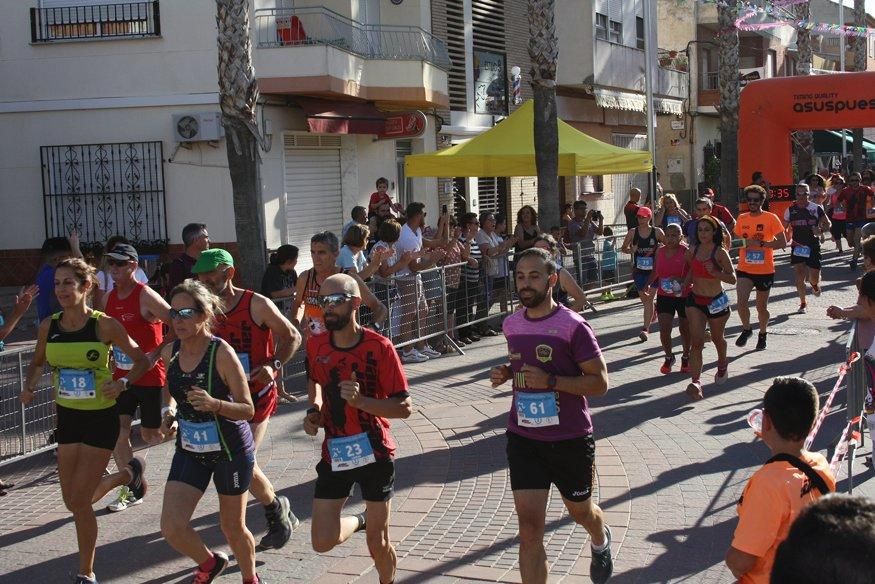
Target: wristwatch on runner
[
  {"x": 277, "y": 366},
  {"x": 125, "y": 382}
]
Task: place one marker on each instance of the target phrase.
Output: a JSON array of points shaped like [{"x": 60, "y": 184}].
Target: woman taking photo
[
  {"x": 76, "y": 343},
  {"x": 707, "y": 303},
  {"x": 208, "y": 396},
  {"x": 669, "y": 272},
  {"x": 641, "y": 242}
]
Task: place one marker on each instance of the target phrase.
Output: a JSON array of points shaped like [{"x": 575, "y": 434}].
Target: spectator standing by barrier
[
  {"x": 456, "y": 253},
  {"x": 471, "y": 281},
  {"x": 790, "y": 480},
  {"x": 359, "y": 217},
  {"x": 414, "y": 306},
  {"x": 196, "y": 239},
  {"x": 630, "y": 210},
  {"x": 495, "y": 268},
  {"x": 527, "y": 229},
  {"x": 608, "y": 262},
  {"x": 382, "y": 198},
  {"x": 352, "y": 254},
  {"x": 279, "y": 279},
  {"x": 582, "y": 233},
  {"x": 385, "y": 288},
  {"x": 54, "y": 250}
]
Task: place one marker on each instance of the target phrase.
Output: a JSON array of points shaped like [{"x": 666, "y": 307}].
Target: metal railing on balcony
[
  {"x": 98, "y": 21},
  {"x": 282, "y": 27},
  {"x": 710, "y": 80},
  {"x": 106, "y": 189}
]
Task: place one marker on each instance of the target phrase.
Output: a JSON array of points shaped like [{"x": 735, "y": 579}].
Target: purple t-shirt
[{"x": 556, "y": 343}]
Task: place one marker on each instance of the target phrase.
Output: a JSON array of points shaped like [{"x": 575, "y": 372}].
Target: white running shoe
[
  {"x": 125, "y": 499},
  {"x": 413, "y": 356},
  {"x": 429, "y": 352}
]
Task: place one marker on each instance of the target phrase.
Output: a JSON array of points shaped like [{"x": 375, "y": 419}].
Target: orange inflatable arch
[{"x": 770, "y": 109}]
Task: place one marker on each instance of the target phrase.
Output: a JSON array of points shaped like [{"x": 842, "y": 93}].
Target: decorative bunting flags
[{"x": 777, "y": 10}]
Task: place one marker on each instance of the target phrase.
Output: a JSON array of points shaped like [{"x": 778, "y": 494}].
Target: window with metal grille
[
  {"x": 615, "y": 32},
  {"x": 94, "y": 19},
  {"x": 456, "y": 48},
  {"x": 105, "y": 189},
  {"x": 492, "y": 195},
  {"x": 601, "y": 26}
]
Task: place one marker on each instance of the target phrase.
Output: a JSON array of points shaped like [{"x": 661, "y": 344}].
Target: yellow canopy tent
[{"x": 508, "y": 149}]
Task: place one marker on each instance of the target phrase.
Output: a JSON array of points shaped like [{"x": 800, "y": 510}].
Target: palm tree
[
  {"x": 544, "y": 53},
  {"x": 728, "y": 80},
  {"x": 804, "y": 138},
  {"x": 238, "y": 93},
  {"x": 859, "y": 65}
]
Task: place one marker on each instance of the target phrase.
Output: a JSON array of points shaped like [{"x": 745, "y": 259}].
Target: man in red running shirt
[
  {"x": 263, "y": 340},
  {"x": 356, "y": 384},
  {"x": 854, "y": 198},
  {"x": 720, "y": 211},
  {"x": 142, "y": 312}
]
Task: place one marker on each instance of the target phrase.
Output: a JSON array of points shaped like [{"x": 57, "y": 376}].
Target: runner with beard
[
  {"x": 264, "y": 341},
  {"x": 356, "y": 384},
  {"x": 555, "y": 364}
]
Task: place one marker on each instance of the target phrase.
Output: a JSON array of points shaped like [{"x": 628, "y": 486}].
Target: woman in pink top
[{"x": 669, "y": 271}]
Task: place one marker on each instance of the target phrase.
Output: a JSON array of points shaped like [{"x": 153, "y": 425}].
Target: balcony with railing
[
  {"x": 326, "y": 52},
  {"x": 94, "y": 22}
]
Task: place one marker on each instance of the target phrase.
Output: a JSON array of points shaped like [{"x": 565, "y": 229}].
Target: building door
[
  {"x": 313, "y": 196},
  {"x": 405, "y": 185},
  {"x": 623, "y": 182}
]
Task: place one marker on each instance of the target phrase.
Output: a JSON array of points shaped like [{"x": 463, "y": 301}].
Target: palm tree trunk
[
  {"x": 238, "y": 94},
  {"x": 859, "y": 65},
  {"x": 544, "y": 53},
  {"x": 805, "y": 138},
  {"x": 729, "y": 91}
]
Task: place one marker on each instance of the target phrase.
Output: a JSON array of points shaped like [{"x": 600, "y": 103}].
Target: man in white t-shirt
[{"x": 414, "y": 307}]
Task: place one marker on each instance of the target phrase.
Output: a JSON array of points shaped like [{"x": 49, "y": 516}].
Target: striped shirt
[{"x": 472, "y": 274}]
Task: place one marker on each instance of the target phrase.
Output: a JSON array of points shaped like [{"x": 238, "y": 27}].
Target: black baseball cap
[{"x": 123, "y": 252}]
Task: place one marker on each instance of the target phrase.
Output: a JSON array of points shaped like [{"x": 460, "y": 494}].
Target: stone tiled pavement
[{"x": 669, "y": 471}]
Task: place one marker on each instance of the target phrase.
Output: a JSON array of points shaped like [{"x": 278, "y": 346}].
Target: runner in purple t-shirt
[{"x": 555, "y": 364}]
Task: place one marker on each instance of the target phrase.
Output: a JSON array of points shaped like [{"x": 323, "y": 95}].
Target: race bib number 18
[{"x": 76, "y": 384}]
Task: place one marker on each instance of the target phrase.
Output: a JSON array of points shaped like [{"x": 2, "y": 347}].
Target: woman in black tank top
[
  {"x": 208, "y": 395},
  {"x": 642, "y": 242}
]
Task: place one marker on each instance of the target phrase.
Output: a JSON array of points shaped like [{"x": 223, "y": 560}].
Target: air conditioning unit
[{"x": 198, "y": 127}]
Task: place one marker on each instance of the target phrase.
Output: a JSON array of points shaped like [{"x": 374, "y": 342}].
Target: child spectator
[
  {"x": 790, "y": 480},
  {"x": 609, "y": 262}
]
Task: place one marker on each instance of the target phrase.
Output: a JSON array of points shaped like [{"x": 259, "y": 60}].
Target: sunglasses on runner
[
  {"x": 117, "y": 263},
  {"x": 332, "y": 300},
  {"x": 184, "y": 313}
]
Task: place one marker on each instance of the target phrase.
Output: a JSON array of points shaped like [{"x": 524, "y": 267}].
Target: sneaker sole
[
  {"x": 694, "y": 392},
  {"x": 127, "y": 506}
]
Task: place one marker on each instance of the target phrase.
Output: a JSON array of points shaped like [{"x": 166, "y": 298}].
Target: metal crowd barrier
[
  {"x": 24, "y": 430},
  {"x": 856, "y": 389}
]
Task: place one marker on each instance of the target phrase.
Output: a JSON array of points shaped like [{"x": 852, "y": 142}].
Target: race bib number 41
[
  {"x": 76, "y": 384},
  {"x": 537, "y": 410},
  {"x": 350, "y": 452},
  {"x": 199, "y": 436}
]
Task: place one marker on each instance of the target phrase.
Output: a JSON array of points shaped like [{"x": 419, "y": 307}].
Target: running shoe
[
  {"x": 429, "y": 352},
  {"x": 722, "y": 374},
  {"x": 743, "y": 337},
  {"x": 694, "y": 390},
  {"x": 124, "y": 500},
  {"x": 803, "y": 308},
  {"x": 685, "y": 364},
  {"x": 601, "y": 568},
  {"x": 667, "y": 365},
  {"x": 643, "y": 335},
  {"x": 815, "y": 289},
  {"x": 279, "y": 524},
  {"x": 202, "y": 577},
  {"x": 761, "y": 342},
  {"x": 605, "y": 297},
  {"x": 138, "y": 484},
  {"x": 413, "y": 356},
  {"x": 80, "y": 579},
  {"x": 362, "y": 518}
]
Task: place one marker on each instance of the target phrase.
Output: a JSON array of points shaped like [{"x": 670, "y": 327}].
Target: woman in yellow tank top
[{"x": 76, "y": 342}]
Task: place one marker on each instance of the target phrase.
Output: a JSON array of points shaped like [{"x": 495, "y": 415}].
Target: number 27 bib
[
  {"x": 537, "y": 409},
  {"x": 350, "y": 452}
]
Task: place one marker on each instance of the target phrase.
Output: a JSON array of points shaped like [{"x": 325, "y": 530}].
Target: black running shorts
[
  {"x": 149, "y": 401},
  {"x": 671, "y": 305},
  {"x": 97, "y": 428},
  {"x": 376, "y": 481},
  {"x": 231, "y": 477},
  {"x": 568, "y": 464},
  {"x": 761, "y": 282}
]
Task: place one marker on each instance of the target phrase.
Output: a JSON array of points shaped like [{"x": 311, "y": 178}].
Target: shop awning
[
  {"x": 508, "y": 149},
  {"x": 342, "y": 117},
  {"x": 830, "y": 141},
  {"x": 621, "y": 100},
  {"x": 668, "y": 106}
]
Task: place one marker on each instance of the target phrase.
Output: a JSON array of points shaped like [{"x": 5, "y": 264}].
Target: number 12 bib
[
  {"x": 350, "y": 452},
  {"x": 537, "y": 409}
]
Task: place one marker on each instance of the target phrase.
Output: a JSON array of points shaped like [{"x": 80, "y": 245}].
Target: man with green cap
[{"x": 263, "y": 340}]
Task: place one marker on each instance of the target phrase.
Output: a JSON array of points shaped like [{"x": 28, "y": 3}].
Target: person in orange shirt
[
  {"x": 763, "y": 233},
  {"x": 790, "y": 480}
]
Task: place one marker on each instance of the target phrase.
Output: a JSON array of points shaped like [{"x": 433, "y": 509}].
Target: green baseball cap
[{"x": 210, "y": 259}]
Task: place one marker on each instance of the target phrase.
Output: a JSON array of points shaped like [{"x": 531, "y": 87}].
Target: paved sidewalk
[{"x": 669, "y": 471}]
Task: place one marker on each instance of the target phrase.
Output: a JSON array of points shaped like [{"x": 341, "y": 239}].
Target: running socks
[
  {"x": 600, "y": 548},
  {"x": 362, "y": 522},
  {"x": 274, "y": 506}
]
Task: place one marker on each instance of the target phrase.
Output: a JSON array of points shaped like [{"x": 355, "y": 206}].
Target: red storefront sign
[{"x": 406, "y": 125}]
